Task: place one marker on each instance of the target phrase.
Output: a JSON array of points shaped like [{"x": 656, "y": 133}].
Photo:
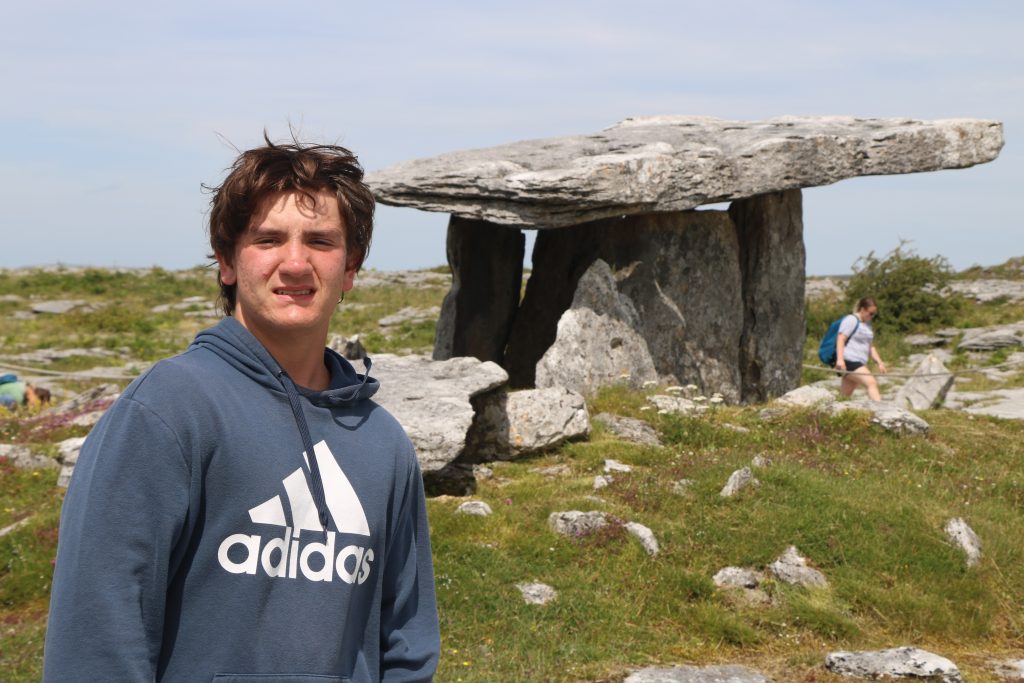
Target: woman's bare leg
[{"x": 862, "y": 377}]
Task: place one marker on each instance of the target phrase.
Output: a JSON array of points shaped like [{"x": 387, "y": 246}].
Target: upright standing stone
[
  {"x": 770, "y": 230},
  {"x": 487, "y": 275}
]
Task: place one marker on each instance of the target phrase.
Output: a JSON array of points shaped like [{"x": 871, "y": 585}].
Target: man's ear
[{"x": 227, "y": 271}]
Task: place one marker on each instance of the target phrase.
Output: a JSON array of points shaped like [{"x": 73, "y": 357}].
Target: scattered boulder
[
  {"x": 1010, "y": 669},
  {"x": 58, "y": 307},
  {"x": 560, "y": 470},
  {"x": 601, "y": 481},
  {"x": 510, "y": 425},
  {"x": 10, "y": 528},
  {"x": 350, "y": 348},
  {"x": 927, "y": 388},
  {"x": 738, "y": 480},
  {"x": 537, "y": 593},
  {"x": 616, "y": 466},
  {"x": 761, "y": 461},
  {"x": 925, "y": 340},
  {"x": 676, "y": 404},
  {"x": 1004, "y": 403},
  {"x": 67, "y": 456},
  {"x": 900, "y": 662},
  {"x": 886, "y": 415},
  {"x": 681, "y": 487},
  {"x": 22, "y": 457},
  {"x": 630, "y": 429},
  {"x": 805, "y": 396},
  {"x": 99, "y": 397},
  {"x": 992, "y": 339},
  {"x": 737, "y": 577},
  {"x": 431, "y": 400},
  {"x": 596, "y": 343},
  {"x": 645, "y": 536},
  {"x": 983, "y": 291},
  {"x": 697, "y": 674},
  {"x": 477, "y": 508},
  {"x": 963, "y": 536},
  {"x": 576, "y": 523},
  {"x": 791, "y": 567},
  {"x": 411, "y": 315}
]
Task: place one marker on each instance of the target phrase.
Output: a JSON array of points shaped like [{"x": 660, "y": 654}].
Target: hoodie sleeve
[
  {"x": 410, "y": 641},
  {"x": 123, "y": 517}
]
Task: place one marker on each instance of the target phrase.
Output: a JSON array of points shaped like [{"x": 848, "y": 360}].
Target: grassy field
[{"x": 865, "y": 506}]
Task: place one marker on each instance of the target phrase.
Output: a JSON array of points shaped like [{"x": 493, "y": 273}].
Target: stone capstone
[
  {"x": 791, "y": 567},
  {"x": 432, "y": 401},
  {"x": 697, "y": 674},
  {"x": 899, "y": 662},
  {"x": 596, "y": 342},
  {"x": 674, "y": 163},
  {"x": 963, "y": 536},
  {"x": 928, "y": 387},
  {"x": 510, "y": 425}
]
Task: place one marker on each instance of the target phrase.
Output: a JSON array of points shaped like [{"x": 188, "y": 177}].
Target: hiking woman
[{"x": 854, "y": 346}]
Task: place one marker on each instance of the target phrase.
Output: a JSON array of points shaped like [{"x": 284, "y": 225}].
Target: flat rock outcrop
[
  {"x": 431, "y": 400},
  {"x": 898, "y": 662},
  {"x": 674, "y": 163},
  {"x": 728, "y": 673}
]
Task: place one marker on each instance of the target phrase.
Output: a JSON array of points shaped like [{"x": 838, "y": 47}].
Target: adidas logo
[{"x": 285, "y": 556}]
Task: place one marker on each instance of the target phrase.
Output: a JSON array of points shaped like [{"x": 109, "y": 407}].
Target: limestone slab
[{"x": 674, "y": 163}]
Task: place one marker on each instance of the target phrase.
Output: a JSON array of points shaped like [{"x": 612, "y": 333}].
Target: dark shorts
[{"x": 851, "y": 366}]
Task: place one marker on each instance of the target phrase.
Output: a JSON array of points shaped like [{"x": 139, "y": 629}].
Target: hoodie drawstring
[{"x": 314, "y": 468}]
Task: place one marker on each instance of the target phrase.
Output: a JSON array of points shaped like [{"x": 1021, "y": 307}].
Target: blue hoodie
[{"x": 200, "y": 540}]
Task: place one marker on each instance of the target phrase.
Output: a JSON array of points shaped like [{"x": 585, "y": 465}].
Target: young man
[{"x": 245, "y": 511}]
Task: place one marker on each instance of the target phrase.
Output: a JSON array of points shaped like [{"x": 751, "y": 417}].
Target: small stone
[
  {"x": 553, "y": 470},
  {"x": 1010, "y": 669},
  {"x": 410, "y": 314},
  {"x": 537, "y": 593},
  {"x": 697, "y": 674},
  {"x": 629, "y": 429},
  {"x": 738, "y": 480},
  {"x": 57, "y": 307},
  {"x": 900, "y": 662},
  {"x": 477, "y": 508},
  {"x": 482, "y": 472},
  {"x": 22, "y": 457},
  {"x": 737, "y": 577},
  {"x": 791, "y": 567},
  {"x": 964, "y": 537},
  {"x": 601, "y": 481},
  {"x": 645, "y": 536},
  {"x": 616, "y": 466},
  {"x": 682, "y": 486},
  {"x": 805, "y": 396},
  {"x": 761, "y": 460},
  {"x": 736, "y": 428},
  {"x": 576, "y": 523}
]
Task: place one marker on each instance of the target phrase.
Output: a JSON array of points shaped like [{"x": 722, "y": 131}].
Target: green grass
[{"x": 866, "y": 507}]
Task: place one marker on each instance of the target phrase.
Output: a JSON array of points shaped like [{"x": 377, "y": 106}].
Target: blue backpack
[
  {"x": 827, "y": 347},
  {"x": 8, "y": 378}
]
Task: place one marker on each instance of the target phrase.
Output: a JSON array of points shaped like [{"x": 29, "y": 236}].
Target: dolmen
[{"x": 719, "y": 294}]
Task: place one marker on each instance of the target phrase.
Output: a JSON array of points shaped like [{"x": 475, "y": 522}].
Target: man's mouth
[{"x": 293, "y": 292}]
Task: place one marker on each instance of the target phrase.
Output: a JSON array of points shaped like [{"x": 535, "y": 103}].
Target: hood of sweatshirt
[
  {"x": 237, "y": 346},
  {"x": 230, "y": 340}
]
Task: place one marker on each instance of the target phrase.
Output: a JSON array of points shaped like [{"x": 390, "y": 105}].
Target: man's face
[{"x": 290, "y": 268}]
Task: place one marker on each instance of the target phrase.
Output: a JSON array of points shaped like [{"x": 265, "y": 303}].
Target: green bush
[{"x": 908, "y": 288}]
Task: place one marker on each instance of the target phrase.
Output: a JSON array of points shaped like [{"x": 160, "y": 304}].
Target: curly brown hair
[{"x": 290, "y": 167}]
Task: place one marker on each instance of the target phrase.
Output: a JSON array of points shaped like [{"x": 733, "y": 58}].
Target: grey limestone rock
[
  {"x": 537, "y": 593},
  {"x": 611, "y": 465},
  {"x": 602, "y": 481},
  {"x": 681, "y": 487},
  {"x": 1010, "y": 669},
  {"x": 697, "y": 674},
  {"x": 928, "y": 387},
  {"x": 67, "y": 456},
  {"x": 791, "y": 567},
  {"x": 673, "y": 163},
  {"x": 410, "y": 314},
  {"x": 576, "y": 523},
  {"x": 992, "y": 339},
  {"x": 477, "y": 508},
  {"x": 963, "y": 536},
  {"x": 738, "y": 480},
  {"x": 645, "y": 536},
  {"x": 989, "y": 289},
  {"x": 58, "y": 307},
  {"x": 630, "y": 429},
  {"x": 737, "y": 577},
  {"x": 806, "y": 396},
  {"x": 925, "y": 340},
  {"x": 596, "y": 343},
  {"x": 22, "y": 457},
  {"x": 511, "y": 425},
  {"x": 431, "y": 400},
  {"x": 1004, "y": 403},
  {"x": 899, "y": 662},
  {"x": 886, "y": 415}
]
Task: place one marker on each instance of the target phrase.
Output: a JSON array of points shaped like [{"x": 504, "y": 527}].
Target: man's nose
[{"x": 296, "y": 258}]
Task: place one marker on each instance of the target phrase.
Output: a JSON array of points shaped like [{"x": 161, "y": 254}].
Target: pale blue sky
[{"x": 114, "y": 114}]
